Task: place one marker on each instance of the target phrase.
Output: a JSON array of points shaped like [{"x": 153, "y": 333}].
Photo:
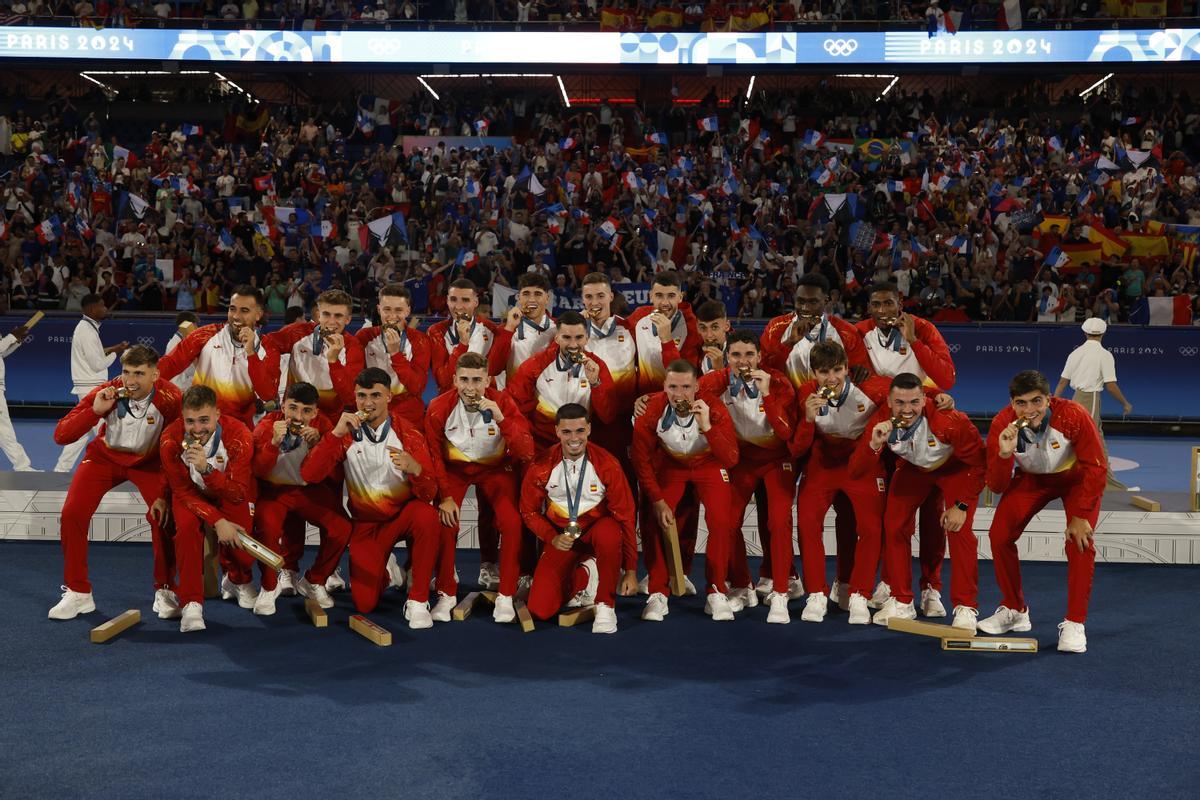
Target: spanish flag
[
  {"x": 1049, "y": 220},
  {"x": 1147, "y": 245},
  {"x": 1083, "y": 256},
  {"x": 1112, "y": 244},
  {"x": 665, "y": 19}
]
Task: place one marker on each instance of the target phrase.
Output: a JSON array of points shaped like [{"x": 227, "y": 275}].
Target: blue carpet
[{"x": 685, "y": 708}]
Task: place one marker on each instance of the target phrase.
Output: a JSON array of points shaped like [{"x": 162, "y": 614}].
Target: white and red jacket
[
  {"x": 549, "y": 380},
  {"x": 792, "y": 360},
  {"x": 662, "y": 440},
  {"x": 605, "y": 493},
  {"x": 514, "y": 348},
  {"x": 230, "y": 483},
  {"x": 132, "y": 428},
  {"x": 1068, "y": 447},
  {"x": 307, "y": 363},
  {"x": 408, "y": 366},
  {"x": 928, "y": 357},
  {"x": 764, "y": 425},
  {"x": 377, "y": 488},
  {"x": 613, "y": 343},
  {"x": 279, "y": 464},
  {"x": 222, "y": 364},
  {"x": 445, "y": 348},
  {"x": 466, "y": 443},
  {"x": 653, "y": 354}
]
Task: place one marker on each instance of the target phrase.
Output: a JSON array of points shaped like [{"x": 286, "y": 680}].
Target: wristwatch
[{"x": 961, "y": 506}]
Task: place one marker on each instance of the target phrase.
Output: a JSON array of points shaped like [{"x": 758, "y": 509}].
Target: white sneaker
[
  {"x": 893, "y": 608},
  {"x": 72, "y": 605},
  {"x": 965, "y": 618},
  {"x": 192, "y": 618},
  {"x": 335, "y": 582},
  {"x": 859, "y": 613},
  {"x": 656, "y": 608},
  {"x": 247, "y": 594},
  {"x": 764, "y": 586},
  {"x": 717, "y": 606},
  {"x": 778, "y": 615},
  {"x": 313, "y": 591},
  {"x": 605, "y": 620},
  {"x": 396, "y": 574},
  {"x": 166, "y": 604},
  {"x": 228, "y": 588},
  {"x": 839, "y": 595},
  {"x": 795, "y": 589},
  {"x": 880, "y": 596},
  {"x": 644, "y": 585},
  {"x": 931, "y": 603},
  {"x": 264, "y": 604},
  {"x": 587, "y": 595},
  {"x": 287, "y": 583},
  {"x": 504, "y": 611},
  {"x": 689, "y": 588},
  {"x": 815, "y": 607},
  {"x": 489, "y": 576},
  {"x": 417, "y": 615},
  {"x": 748, "y": 597},
  {"x": 1005, "y": 620},
  {"x": 442, "y": 608},
  {"x": 1071, "y": 638}
]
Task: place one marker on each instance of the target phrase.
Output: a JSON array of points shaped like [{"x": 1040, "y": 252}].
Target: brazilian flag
[{"x": 873, "y": 149}]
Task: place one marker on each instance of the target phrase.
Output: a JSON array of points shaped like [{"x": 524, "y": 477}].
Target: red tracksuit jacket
[
  {"x": 651, "y": 373},
  {"x": 266, "y": 454},
  {"x": 445, "y": 351},
  {"x": 233, "y": 485},
  {"x": 295, "y": 340},
  {"x": 778, "y": 408},
  {"x": 514, "y": 429},
  {"x": 932, "y": 354},
  {"x": 80, "y": 420},
  {"x": 649, "y": 457},
  {"x": 523, "y": 388},
  {"x": 775, "y": 353},
  {"x": 237, "y": 377},
  {"x": 409, "y": 372}
]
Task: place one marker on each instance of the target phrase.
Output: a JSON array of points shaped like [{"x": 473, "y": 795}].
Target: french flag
[
  {"x": 1010, "y": 18},
  {"x": 649, "y": 215},
  {"x": 1054, "y": 144},
  {"x": 736, "y": 231},
  {"x": 707, "y": 124},
  {"x": 608, "y": 228},
  {"x": 822, "y": 176},
  {"x": 894, "y": 186},
  {"x": 730, "y": 186},
  {"x": 567, "y": 143},
  {"x": 1086, "y": 196},
  {"x": 581, "y": 216},
  {"x": 960, "y": 244},
  {"x": 851, "y": 280},
  {"x": 1127, "y": 121},
  {"x": 1056, "y": 258},
  {"x": 813, "y": 139},
  {"x": 1176, "y": 310},
  {"x": 684, "y": 163},
  {"x": 657, "y": 138},
  {"x": 82, "y": 227},
  {"x": 696, "y": 198},
  {"x": 121, "y": 152},
  {"x": 481, "y": 126},
  {"x": 633, "y": 181},
  {"x": 188, "y": 129},
  {"x": 49, "y": 230},
  {"x": 226, "y": 242},
  {"x": 472, "y": 187},
  {"x": 466, "y": 259},
  {"x": 324, "y": 229},
  {"x": 554, "y": 225}
]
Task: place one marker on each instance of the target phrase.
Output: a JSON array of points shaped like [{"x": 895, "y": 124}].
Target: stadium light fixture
[
  {"x": 425, "y": 83},
  {"x": 883, "y": 94},
  {"x": 488, "y": 75},
  {"x": 1095, "y": 85},
  {"x": 563, "y": 89},
  {"x": 103, "y": 86},
  {"x": 750, "y": 88}
]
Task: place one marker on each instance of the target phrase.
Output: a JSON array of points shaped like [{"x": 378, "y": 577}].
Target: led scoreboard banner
[{"x": 808, "y": 48}]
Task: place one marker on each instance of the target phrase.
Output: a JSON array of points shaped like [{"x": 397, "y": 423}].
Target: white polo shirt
[{"x": 1089, "y": 367}]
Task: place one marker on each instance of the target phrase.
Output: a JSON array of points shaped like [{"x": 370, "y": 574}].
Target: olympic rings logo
[
  {"x": 954, "y": 348},
  {"x": 146, "y": 340},
  {"x": 1189, "y": 351},
  {"x": 840, "y": 47}
]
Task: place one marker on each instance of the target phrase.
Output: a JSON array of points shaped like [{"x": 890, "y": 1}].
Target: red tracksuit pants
[
  {"x": 773, "y": 483},
  {"x": 560, "y": 574},
  {"x": 93, "y": 479},
  {"x": 1026, "y": 496},
  {"x": 820, "y": 488},
  {"x": 711, "y": 485},
  {"x": 909, "y": 489},
  {"x": 371, "y": 543},
  {"x": 316, "y": 504},
  {"x": 189, "y": 550},
  {"x": 496, "y": 492}
]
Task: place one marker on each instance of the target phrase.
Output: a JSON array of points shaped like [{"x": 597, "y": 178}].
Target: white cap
[{"x": 1094, "y": 326}]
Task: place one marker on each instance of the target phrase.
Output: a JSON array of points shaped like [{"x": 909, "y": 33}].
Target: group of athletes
[{"x": 581, "y": 435}]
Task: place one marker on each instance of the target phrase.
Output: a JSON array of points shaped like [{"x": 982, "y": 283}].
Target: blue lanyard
[
  {"x": 365, "y": 430},
  {"x": 899, "y": 435},
  {"x": 597, "y": 332},
  {"x": 672, "y": 418},
  {"x": 452, "y": 331},
  {"x": 527, "y": 321},
  {"x": 894, "y": 340},
  {"x": 575, "y": 496},
  {"x": 1028, "y": 436},
  {"x": 841, "y": 399},
  {"x": 736, "y": 385},
  {"x": 124, "y": 407}
]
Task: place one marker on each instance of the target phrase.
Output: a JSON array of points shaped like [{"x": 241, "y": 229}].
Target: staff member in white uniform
[
  {"x": 90, "y": 361},
  {"x": 8, "y": 437},
  {"x": 1090, "y": 369}
]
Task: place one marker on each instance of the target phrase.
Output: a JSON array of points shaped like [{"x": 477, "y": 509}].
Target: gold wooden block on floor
[
  {"x": 317, "y": 614},
  {"x": 260, "y": 551},
  {"x": 489, "y": 595},
  {"x": 928, "y": 629},
  {"x": 991, "y": 645},
  {"x": 116, "y": 626},
  {"x": 369, "y": 630},
  {"x": 523, "y": 616},
  {"x": 1145, "y": 503},
  {"x": 212, "y": 572},
  {"x": 465, "y": 607},
  {"x": 573, "y": 616},
  {"x": 674, "y": 560}
]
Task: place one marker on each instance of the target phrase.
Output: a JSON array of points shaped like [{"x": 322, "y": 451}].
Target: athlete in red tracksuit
[
  {"x": 449, "y": 339},
  {"x": 899, "y": 342},
  {"x": 1059, "y": 456},
  {"x": 528, "y": 330},
  {"x": 579, "y": 482},
  {"x": 672, "y": 450},
  {"x": 211, "y": 484},
  {"x": 829, "y": 430},
  {"x": 786, "y": 344},
  {"x": 762, "y": 405},
  {"x": 279, "y": 453},
  {"x": 402, "y": 351},
  {"x": 611, "y": 339},
  {"x": 391, "y": 482},
  {"x": 551, "y": 379},
  {"x": 125, "y": 450},
  {"x": 477, "y": 437},
  {"x": 230, "y": 358},
  {"x": 936, "y": 450}
]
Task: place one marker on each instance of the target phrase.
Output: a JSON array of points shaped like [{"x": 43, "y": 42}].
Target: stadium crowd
[{"x": 1007, "y": 208}]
